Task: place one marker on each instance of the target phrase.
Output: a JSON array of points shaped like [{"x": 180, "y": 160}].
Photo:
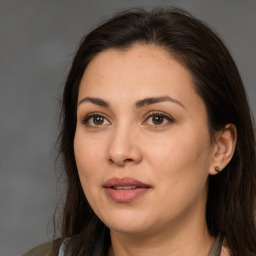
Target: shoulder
[{"x": 41, "y": 250}]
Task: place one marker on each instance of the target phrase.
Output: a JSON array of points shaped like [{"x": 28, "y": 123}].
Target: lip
[{"x": 116, "y": 189}]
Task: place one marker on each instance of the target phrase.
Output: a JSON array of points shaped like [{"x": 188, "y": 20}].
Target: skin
[{"x": 174, "y": 156}]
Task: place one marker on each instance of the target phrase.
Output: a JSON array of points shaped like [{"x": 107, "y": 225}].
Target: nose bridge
[{"x": 123, "y": 147}]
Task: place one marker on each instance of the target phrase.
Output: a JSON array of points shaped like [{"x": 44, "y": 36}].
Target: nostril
[
  {"x": 111, "y": 161},
  {"x": 120, "y": 162},
  {"x": 128, "y": 160}
]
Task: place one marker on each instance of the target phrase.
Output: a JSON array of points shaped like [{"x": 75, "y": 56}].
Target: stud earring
[{"x": 217, "y": 169}]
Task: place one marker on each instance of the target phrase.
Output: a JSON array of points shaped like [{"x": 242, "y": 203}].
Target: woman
[{"x": 157, "y": 143}]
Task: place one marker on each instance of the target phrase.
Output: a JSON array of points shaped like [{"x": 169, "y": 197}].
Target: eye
[
  {"x": 94, "y": 120},
  {"x": 158, "y": 119}
]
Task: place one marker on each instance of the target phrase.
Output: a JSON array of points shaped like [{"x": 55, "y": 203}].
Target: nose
[{"x": 124, "y": 147}]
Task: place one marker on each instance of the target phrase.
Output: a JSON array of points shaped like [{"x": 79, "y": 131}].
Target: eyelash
[
  {"x": 87, "y": 118},
  {"x": 167, "y": 118}
]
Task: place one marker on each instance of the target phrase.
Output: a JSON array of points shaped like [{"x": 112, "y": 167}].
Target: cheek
[
  {"x": 89, "y": 160},
  {"x": 181, "y": 170},
  {"x": 181, "y": 162},
  {"x": 88, "y": 156},
  {"x": 179, "y": 151}
]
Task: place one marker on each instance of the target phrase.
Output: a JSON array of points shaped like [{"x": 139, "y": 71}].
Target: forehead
[{"x": 140, "y": 71}]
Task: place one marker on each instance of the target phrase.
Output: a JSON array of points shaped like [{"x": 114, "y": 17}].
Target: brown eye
[
  {"x": 98, "y": 120},
  {"x": 94, "y": 120},
  {"x": 157, "y": 120}
]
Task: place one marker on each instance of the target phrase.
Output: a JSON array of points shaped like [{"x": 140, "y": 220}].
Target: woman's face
[{"x": 142, "y": 144}]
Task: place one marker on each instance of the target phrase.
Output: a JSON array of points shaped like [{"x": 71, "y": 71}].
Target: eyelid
[
  {"x": 168, "y": 117},
  {"x": 86, "y": 118}
]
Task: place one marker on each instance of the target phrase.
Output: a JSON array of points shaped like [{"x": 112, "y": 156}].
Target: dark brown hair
[{"x": 232, "y": 193}]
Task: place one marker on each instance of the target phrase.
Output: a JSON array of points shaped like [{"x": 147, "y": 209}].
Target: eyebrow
[
  {"x": 95, "y": 101},
  {"x": 138, "y": 104},
  {"x": 153, "y": 100}
]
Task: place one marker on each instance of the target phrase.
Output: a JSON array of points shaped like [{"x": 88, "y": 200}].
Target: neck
[
  {"x": 187, "y": 235},
  {"x": 185, "y": 244}
]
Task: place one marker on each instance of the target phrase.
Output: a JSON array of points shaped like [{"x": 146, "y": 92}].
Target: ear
[{"x": 223, "y": 148}]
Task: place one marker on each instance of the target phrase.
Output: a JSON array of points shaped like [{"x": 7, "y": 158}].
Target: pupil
[
  {"x": 98, "y": 120},
  {"x": 157, "y": 119}
]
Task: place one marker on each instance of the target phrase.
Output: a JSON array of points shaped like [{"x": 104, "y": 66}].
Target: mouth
[
  {"x": 124, "y": 190},
  {"x": 124, "y": 187}
]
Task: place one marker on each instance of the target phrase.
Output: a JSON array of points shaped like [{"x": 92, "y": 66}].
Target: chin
[
  {"x": 128, "y": 229},
  {"x": 127, "y": 223}
]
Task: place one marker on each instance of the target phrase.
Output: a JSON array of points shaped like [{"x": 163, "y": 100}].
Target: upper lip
[{"x": 126, "y": 181}]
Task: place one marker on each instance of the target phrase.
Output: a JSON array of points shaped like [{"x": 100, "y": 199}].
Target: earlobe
[
  {"x": 223, "y": 149},
  {"x": 217, "y": 169}
]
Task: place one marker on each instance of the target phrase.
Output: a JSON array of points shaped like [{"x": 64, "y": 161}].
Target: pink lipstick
[{"x": 124, "y": 190}]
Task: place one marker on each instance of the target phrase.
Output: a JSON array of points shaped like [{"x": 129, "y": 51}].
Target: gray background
[{"x": 37, "y": 40}]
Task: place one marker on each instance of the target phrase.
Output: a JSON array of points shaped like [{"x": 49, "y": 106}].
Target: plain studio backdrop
[{"x": 37, "y": 41}]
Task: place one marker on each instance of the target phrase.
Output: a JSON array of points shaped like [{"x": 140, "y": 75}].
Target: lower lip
[{"x": 125, "y": 196}]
